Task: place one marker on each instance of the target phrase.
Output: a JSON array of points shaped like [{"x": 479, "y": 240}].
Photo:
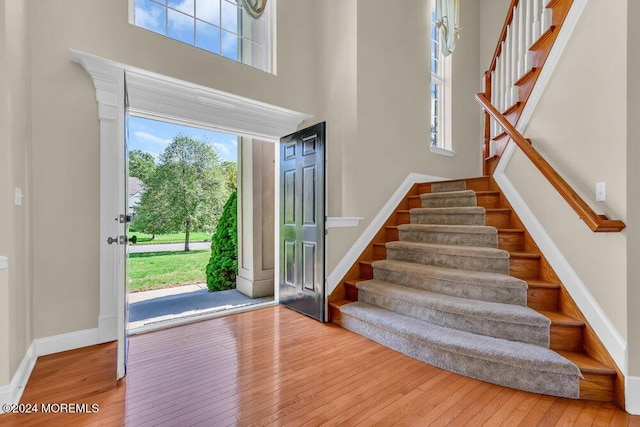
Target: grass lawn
[
  {"x": 195, "y": 236},
  {"x": 156, "y": 270}
]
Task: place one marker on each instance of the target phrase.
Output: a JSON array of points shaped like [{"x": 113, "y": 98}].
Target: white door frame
[{"x": 158, "y": 97}]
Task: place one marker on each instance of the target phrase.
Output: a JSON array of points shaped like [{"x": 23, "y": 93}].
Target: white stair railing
[{"x": 526, "y": 22}]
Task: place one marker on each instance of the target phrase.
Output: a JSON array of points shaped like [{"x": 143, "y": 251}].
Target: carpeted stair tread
[
  {"x": 464, "y": 235},
  {"x": 464, "y": 215},
  {"x": 445, "y": 186},
  {"x": 482, "y": 286},
  {"x": 462, "y": 257},
  {"x": 509, "y": 363},
  {"x": 512, "y": 322},
  {"x": 449, "y": 199}
]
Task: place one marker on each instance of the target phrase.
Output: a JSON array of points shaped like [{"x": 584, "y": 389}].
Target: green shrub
[{"x": 223, "y": 264}]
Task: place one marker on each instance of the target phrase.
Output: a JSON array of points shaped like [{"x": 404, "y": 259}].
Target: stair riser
[
  {"x": 482, "y": 326},
  {"x": 524, "y": 268},
  {"x": 453, "y": 288},
  {"x": 491, "y": 265},
  {"x": 449, "y": 202},
  {"x": 366, "y": 271},
  {"x": 488, "y": 201},
  {"x": 493, "y": 372},
  {"x": 458, "y": 239},
  {"x": 391, "y": 234},
  {"x": 566, "y": 338},
  {"x": 596, "y": 387},
  {"x": 542, "y": 299},
  {"x": 447, "y": 219},
  {"x": 498, "y": 219},
  {"x": 511, "y": 241}
]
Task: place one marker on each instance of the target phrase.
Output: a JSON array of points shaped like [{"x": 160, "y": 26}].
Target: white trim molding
[
  {"x": 4, "y": 262},
  {"x": 442, "y": 151},
  {"x": 632, "y": 395},
  {"x": 65, "y": 342},
  {"x": 12, "y": 392},
  {"x": 333, "y": 279},
  {"x": 343, "y": 221},
  {"x": 602, "y": 325},
  {"x": 609, "y": 335}
]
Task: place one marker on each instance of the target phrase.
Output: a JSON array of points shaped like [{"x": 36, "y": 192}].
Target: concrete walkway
[
  {"x": 168, "y": 247},
  {"x": 171, "y": 303}
]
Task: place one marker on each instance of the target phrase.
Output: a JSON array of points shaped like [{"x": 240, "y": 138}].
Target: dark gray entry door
[{"x": 302, "y": 221}]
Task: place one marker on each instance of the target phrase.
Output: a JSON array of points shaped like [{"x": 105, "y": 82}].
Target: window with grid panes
[
  {"x": 221, "y": 27},
  {"x": 437, "y": 64}
]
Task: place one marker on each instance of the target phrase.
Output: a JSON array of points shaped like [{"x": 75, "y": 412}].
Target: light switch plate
[
  {"x": 601, "y": 191},
  {"x": 18, "y": 196}
]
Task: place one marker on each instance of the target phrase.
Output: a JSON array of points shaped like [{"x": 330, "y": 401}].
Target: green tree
[
  {"x": 185, "y": 193},
  {"x": 230, "y": 173},
  {"x": 142, "y": 165},
  {"x": 223, "y": 264}
]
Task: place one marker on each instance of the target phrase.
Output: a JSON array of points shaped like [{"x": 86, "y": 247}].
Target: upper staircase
[{"x": 454, "y": 279}]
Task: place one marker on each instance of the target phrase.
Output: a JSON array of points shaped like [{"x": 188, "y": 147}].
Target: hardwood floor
[{"x": 276, "y": 367}]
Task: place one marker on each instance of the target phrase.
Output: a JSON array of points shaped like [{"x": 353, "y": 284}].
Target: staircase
[{"x": 454, "y": 280}]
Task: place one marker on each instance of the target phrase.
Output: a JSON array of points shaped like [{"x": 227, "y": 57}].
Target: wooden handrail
[{"x": 597, "y": 223}]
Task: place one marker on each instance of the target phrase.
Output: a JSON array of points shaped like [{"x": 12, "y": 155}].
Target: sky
[{"x": 153, "y": 137}]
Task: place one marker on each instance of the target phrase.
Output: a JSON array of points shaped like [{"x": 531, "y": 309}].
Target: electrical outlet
[{"x": 601, "y": 191}]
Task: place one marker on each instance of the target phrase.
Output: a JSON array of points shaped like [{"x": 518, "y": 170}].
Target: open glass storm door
[{"x": 302, "y": 221}]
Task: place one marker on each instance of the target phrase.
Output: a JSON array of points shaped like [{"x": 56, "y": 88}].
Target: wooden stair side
[{"x": 571, "y": 335}]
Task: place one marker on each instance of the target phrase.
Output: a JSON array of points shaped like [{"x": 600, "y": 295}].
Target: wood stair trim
[
  {"x": 526, "y": 76},
  {"x": 558, "y": 318},
  {"x": 524, "y": 255},
  {"x": 543, "y": 39},
  {"x": 543, "y": 284},
  {"x": 586, "y": 363},
  {"x": 571, "y": 336}
]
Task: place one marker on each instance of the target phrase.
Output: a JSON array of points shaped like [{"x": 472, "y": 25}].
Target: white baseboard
[
  {"x": 611, "y": 338},
  {"x": 374, "y": 226},
  {"x": 107, "y": 329},
  {"x": 12, "y": 392},
  {"x": 632, "y": 395},
  {"x": 64, "y": 342}
]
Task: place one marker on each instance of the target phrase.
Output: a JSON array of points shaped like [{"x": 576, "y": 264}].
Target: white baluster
[
  {"x": 547, "y": 17},
  {"x": 522, "y": 48},
  {"x": 514, "y": 59},
  {"x": 503, "y": 75},
  {"x": 528, "y": 63},
  {"x": 537, "y": 16},
  {"x": 507, "y": 74}
]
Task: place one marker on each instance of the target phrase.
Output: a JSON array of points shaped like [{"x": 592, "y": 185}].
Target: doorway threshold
[{"x": 166, "y": 308}]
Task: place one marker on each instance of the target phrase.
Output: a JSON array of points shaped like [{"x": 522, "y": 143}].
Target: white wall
[
  {"x": 380, "y": 97},
  {"x": 66, "y": 131},
  {"x": 633, "y": 180},
  {"x": 15, "y": 285},
  {"x": 360, "y": 65},
  {"x": 580, "y": 127}
]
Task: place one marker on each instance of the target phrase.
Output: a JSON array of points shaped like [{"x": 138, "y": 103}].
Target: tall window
[
  {"x": 437, "y": 85},
  {"x": 221, "y": 27}
]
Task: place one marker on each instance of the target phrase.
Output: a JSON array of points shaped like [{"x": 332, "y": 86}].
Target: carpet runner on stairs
[{"x": 444, "y": 296}]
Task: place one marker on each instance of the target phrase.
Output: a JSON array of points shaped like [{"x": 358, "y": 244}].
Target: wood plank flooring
[{"x": 275, "y": 367}]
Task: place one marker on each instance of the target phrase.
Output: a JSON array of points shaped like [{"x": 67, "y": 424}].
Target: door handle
[
  {"x": 133, "y": 239},
  {"x": 122, "y": 240}
]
